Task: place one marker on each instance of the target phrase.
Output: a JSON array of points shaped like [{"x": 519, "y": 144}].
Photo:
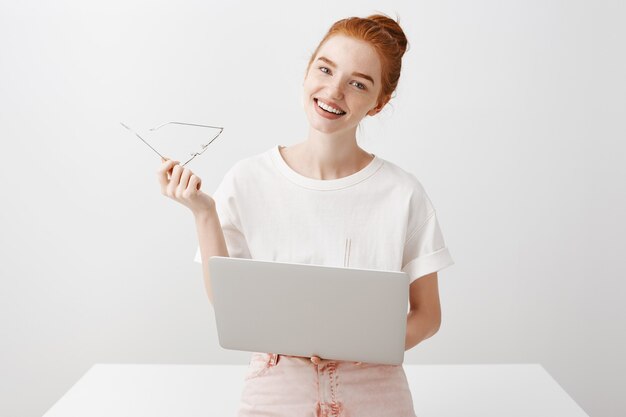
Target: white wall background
[{"x": 511, "y": 113}]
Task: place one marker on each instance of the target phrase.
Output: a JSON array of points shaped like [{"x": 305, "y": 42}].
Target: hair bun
[{"x": 393, "y": 28}]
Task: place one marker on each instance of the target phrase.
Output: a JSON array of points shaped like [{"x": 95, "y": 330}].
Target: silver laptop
[{"x": 304, "y": 310}]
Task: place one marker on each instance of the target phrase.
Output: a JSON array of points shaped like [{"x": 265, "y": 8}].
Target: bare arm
[
  {"x": 424, "y": 318},
  {"x": 182, "y": 185},
  {"x": 212, "y": 243}
]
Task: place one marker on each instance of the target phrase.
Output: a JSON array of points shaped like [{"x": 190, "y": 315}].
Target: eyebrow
[{"x": 358, "y": 74}]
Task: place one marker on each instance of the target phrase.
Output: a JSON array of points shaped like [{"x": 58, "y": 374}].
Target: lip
[
  {"x": 330, "y": 103},
  {"x": 325, "y": 114}
]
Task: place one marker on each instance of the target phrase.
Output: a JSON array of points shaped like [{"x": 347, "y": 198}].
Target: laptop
[{"x": 336, "y": 313}]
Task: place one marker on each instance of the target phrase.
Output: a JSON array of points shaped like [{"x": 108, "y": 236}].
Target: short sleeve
[
  {"x": 226, "y": 200},
  {"x": 425, "y": 250}
]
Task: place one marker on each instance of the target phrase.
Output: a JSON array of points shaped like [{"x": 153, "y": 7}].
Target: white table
[{"x": 132, "y": 390}]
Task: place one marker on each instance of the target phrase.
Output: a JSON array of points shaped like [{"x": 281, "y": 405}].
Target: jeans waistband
[{"x": 275, "y": 357}]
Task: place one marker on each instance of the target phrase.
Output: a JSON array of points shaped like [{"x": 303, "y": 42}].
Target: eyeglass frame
[{"x": 194, "y": 154}]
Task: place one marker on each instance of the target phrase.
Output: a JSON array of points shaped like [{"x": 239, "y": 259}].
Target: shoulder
[
  {"x": 404, "y": 179},
  {"x": 414, "y": 196},
  {"x": 253, "y": 162},
  {"x": 249, "y": 169}
]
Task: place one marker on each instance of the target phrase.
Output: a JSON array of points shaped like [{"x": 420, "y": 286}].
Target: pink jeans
[{"x": 280, "y": 386}]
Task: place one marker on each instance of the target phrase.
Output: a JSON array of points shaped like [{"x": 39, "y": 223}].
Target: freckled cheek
[
  {"x": 308, "y": 88},
  {"x": 313, "y": 82}
]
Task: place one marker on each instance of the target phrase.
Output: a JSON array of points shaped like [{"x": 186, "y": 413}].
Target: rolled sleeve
[{"x": 425, "y": 251}]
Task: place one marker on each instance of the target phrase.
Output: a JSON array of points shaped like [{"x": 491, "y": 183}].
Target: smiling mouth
[{"x": 326, "y": 111}]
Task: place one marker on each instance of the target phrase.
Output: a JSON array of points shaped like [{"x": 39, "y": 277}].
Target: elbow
[
  {"x": 436, "y": 327},
  {"x": 435, "y": 323}
]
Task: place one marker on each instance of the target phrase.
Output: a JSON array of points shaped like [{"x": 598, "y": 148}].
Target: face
[{"x": 339, "y": 76}]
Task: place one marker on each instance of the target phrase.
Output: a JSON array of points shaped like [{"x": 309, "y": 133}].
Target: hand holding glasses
[{"x": 181, "y": 184}]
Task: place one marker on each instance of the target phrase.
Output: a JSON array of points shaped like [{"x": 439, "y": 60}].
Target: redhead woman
[{"x": 327, "y": 201}]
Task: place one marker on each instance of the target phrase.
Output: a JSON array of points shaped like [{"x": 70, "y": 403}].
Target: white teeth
[{"x": 328, "y": 108}]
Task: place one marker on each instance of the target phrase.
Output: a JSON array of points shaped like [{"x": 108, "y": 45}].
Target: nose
[{"x": 335, "y": 88}]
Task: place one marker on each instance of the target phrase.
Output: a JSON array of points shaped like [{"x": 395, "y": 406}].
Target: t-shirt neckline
[{"x": 317, "y": 184}]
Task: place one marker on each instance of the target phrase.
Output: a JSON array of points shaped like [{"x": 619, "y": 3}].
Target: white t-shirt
[{"x": 377, "y": 218}]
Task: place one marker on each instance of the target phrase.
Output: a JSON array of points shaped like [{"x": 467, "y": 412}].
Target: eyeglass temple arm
[
  {"x": 204, "y": 146},
  {"x": 142, "y": 139},
  {"x": 186, "y": 124}
]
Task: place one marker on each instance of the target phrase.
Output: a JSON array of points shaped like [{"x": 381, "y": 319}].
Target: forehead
[{"x": 351, "y": 54}]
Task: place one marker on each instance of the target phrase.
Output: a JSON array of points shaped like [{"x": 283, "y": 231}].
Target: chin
[{"x": 322, "y": 127}]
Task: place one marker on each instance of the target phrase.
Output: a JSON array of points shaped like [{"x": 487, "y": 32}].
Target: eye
[{"x": 359, "y": 85}]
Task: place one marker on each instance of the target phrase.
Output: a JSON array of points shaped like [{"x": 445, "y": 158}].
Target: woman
[{"x": 326, "y": 201}]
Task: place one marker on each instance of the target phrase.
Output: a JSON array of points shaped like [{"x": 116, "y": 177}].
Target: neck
[{"x": 331, "y": 156}]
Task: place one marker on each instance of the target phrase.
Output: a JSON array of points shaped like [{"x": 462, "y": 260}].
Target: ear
[
  {"x": 379, "y": 107},
  {"x": 374, "y": 111}
]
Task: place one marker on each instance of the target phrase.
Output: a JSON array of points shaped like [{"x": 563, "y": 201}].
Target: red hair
[{"x": 385, "y": 35}]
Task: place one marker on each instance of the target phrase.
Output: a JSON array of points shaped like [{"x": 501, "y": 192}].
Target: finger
[
  {"x": 177, "y": 170},
  {"x": 163, "y": 171},
  {"x": 194, "y": 183},
  {"x": 166, "y": 165},
  {"x": 184, "y": 181}
]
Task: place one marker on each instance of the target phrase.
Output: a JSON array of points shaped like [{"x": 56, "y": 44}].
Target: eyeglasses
[{"x": 203, "y": 146}]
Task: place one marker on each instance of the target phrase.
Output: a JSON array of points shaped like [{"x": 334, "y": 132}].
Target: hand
[
  {"x": 316, "y": 360},
  {"x": 183, "y": 186}
]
